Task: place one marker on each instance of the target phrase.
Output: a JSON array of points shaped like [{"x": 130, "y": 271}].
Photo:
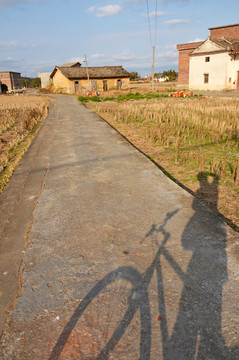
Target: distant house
[
  {"x": 10, "y": 80},
  {"x": 161, "y": 79},
  {"x": 72, "y": 78},
  {"x": 212, "y": 64}
]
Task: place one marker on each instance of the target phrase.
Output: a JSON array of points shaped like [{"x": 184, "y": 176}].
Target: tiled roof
[
  {"x": 71, "y": 64},
  {"x": 105, "y": 72},
  {"x": 227, "y": 44}
]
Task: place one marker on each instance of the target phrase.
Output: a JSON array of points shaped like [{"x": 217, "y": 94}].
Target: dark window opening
[
  {"x": 76, "y": 82},
  {"x": 206, "y": 78},
  {"x": 207, "y": 59}
]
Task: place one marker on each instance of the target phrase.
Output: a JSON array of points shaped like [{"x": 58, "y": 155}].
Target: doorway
[
  {"x": 105, "y": 85},
  {"x": 77, "y": 88},
  {"x": 238, "y": 80},
  {"x": 119, "y": 84}
]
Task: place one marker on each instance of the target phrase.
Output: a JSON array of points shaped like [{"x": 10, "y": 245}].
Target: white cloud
[
  {"x": 15, "y": 45},
  {"x": 7, "y": 3},
  {"x": 131, "y": 61},
  {"x": 108, "y": 10},
  {"x": 197, "y": 40},
  {"x": 97, "y": 56},
  {"x": 173, "y": 47},
  {"x": 176, "y": 21},
  {"x": 124, "y": 56},
  {"x": 25, "y": 66},
  {"x": 77, "y": 59},
  {"x": 154, "y": 13}
]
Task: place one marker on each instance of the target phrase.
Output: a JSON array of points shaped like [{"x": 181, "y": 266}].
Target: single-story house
[
  {"x": 11, "y": 80},
  {"x": 72, "y": 78},
  {"x": 212, "y": 64}
]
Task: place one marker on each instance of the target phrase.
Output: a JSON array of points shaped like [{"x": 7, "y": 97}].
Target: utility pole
[
  {"x": 153, "y": 68},
  {"x": 87, "y": 71}
]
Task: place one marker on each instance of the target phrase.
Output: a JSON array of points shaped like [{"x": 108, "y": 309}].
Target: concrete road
[{"x": 103, "y": 257}]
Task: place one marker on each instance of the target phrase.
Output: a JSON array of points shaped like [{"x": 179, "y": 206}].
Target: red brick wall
[
  {"x": 11, "y": 79},
  {"x": 231, "y": 32},
  {"x": 5, "y": 79},
  {"x": 183, "y": 61}
]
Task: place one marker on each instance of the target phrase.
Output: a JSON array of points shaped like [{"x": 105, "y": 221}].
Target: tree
[
  {"x": 134, "y": 75},
  {"x": 171, "y": 74},
  {"x": 36, "y": 82},
  {"x": 26, "y": 82}
]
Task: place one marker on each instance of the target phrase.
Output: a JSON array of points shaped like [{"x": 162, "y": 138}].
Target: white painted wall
[
  {"x": 217, "y": 69},
  {"x": 233, "y": 69},
  {"x": 45, "y": 78}
]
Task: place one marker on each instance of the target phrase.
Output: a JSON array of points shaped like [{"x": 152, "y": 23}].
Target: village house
[
  {"x": 10, "y": 80},
  {"x": 72, "y": 78},
  {"x": 212, "y": 64}
]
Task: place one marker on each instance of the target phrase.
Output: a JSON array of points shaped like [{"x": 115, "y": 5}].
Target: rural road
[{"x": 103, "y": 257}]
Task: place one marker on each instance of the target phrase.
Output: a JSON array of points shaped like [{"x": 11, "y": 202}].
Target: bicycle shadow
[{"x": 197, "y": 332}]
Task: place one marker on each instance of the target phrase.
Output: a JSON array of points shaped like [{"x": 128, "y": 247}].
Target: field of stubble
[
  {"x": 20, "y": 118},
  {"x": 195, "y": 140}
]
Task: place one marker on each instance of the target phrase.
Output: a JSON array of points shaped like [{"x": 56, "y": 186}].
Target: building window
[
  {"x": 206, "y": 78},
  {"x": 76, "y": 82},
  {"x": 230, "y": 80},
  {"x": 207, "y": 59}
]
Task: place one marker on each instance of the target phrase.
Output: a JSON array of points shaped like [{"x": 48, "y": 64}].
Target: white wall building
[
  {"x": 45, "y": 78},
  {"x": 214, "y": 65}
]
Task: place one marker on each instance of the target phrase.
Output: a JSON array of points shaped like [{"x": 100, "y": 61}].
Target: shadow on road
[{"x": 197, "y": 332}]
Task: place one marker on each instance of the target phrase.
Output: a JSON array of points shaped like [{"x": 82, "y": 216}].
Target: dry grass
[
  {"x": 20, "y": 118},
  {"x": 195, "y": 140}
]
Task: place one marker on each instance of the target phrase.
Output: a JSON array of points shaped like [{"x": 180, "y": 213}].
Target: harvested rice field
[
  {"x": 20, "y": 119},
  {"x": 194, "y": 140}
]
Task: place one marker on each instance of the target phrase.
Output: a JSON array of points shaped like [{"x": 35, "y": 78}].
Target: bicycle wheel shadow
[
  {"x": 138, "y": 299},
  {"x": 197, "y": 332}
]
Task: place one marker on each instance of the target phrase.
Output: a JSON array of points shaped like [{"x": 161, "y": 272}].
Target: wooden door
[
  {"x": 119, "y": 84},
  {"x": 77, "y": 88},
  {"x": 105, "y": 85}
]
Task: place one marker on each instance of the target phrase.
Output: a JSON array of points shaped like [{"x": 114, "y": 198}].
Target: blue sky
[{"x": 36, "y": 35}]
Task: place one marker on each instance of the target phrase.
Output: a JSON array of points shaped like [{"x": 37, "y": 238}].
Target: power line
[
  {"x": 156, "y": 22},
  {"x": 150, "y": 35},
  {"x": 156, "y": 18}
]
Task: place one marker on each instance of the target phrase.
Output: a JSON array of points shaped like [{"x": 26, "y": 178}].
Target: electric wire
[
  {"x": 156, "y": 22},
  {"x": 156, "y": 19},
  {"x": 150, "y": 34}
]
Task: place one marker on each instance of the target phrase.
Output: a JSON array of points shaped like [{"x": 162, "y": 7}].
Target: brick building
[
  {"x": 228, "y": 33},
  {"x": 11, "y": 79}
]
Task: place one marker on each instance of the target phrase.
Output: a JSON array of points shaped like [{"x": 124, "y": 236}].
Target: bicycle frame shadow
[{"x": 197, "y": 332}]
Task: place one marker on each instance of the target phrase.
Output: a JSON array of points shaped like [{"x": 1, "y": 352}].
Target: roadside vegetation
[
  {"x": 136, "y": 96},
  {"x": 20, "y": 119},
  {"x": 195, "y": 140}
]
